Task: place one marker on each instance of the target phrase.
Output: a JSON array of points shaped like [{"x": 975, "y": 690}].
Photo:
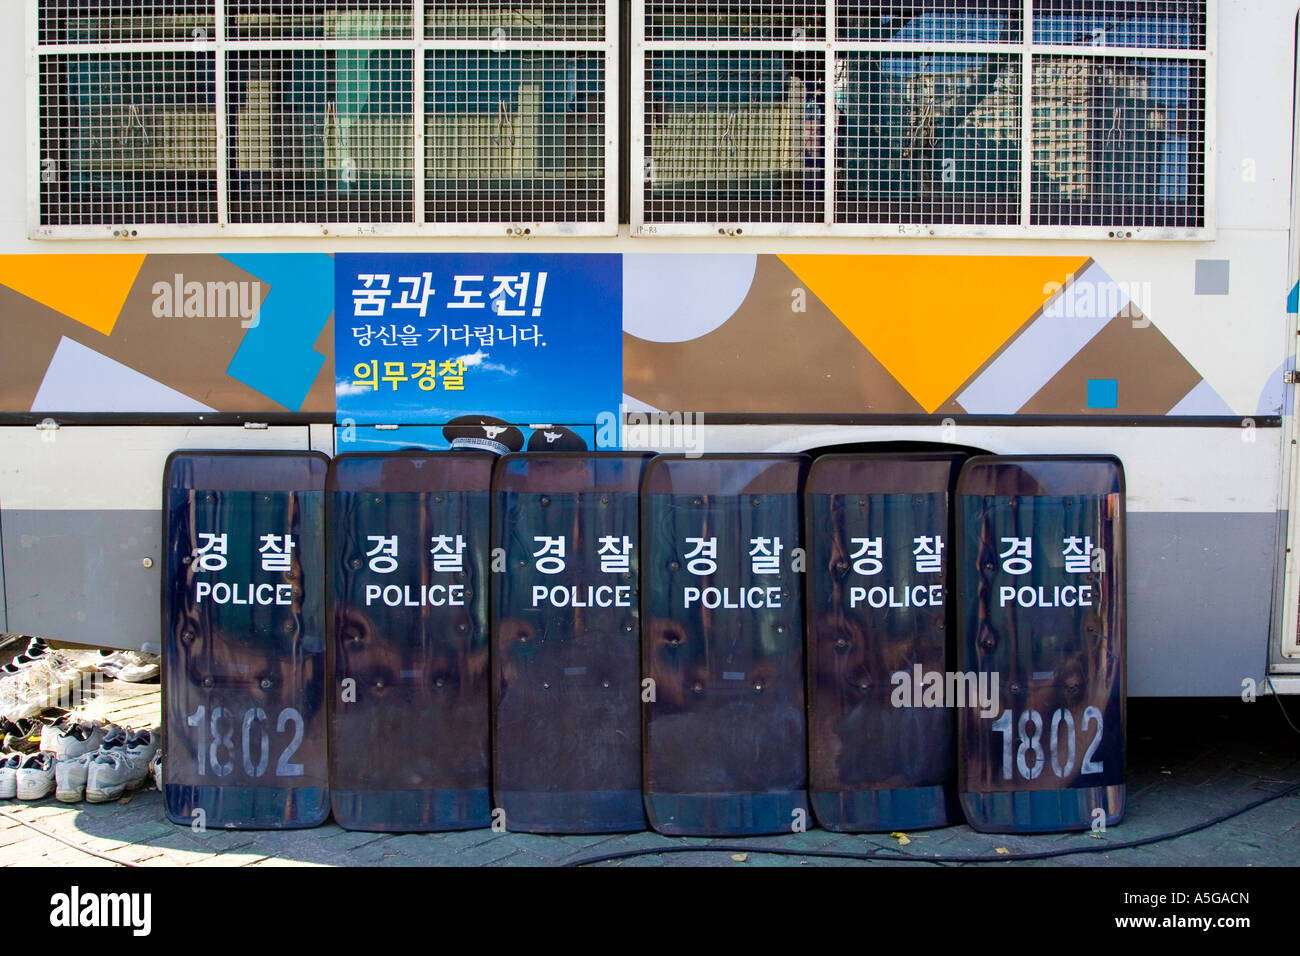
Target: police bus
[{"x": 1006, "y": 226}]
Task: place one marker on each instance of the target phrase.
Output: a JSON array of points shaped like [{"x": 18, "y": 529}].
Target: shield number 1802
[
  {"x": 1029, "y": 728},
  {"x": 217, "y": 748}
]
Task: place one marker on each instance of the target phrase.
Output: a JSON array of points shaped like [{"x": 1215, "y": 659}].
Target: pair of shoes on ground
[
  {"x": 120, "y": 763},
  {"x": 71, "y": 736},
  {"x": 64, "y": 739},
  {"x": 39, "y": 685},
  {"x": 35, "y": 650},
  {"x": 130, "y": 666}
]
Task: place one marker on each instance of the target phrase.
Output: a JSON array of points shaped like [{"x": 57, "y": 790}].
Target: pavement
[{"x": 1188, "y": 761}]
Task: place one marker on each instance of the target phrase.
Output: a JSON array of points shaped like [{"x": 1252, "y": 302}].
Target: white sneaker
[
  {"x": 144, "y": 667},
  {"x": 114, "y": 770},
  {"x": 110, "y": 773},
  {"x": 9, "y": 776},
  {"x": 18, "y": 704},
  {"x": 52, "y": 731},
  {"x": 35, "y": 777},
  {"x": 111, "y": 662},
  {"x": 155, "y": 770},
  {"x": 143, "y": 741},
  {"x": 73, "y": 739},
  {"x": 70, "y": 778}
]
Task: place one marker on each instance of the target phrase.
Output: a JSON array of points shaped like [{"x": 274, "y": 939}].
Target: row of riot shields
[{"x": 594, "y": 642}]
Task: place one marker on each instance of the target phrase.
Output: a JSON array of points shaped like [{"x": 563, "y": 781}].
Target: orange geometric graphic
[
  {"x": 89, "y": 289},
  {"x": 932, "y": 321}
]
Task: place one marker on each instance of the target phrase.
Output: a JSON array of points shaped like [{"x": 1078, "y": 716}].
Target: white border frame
[
  {"x": 417, "y": 45},
  {"x": 1289, "y": 632},
  {"x": 1026, "y": 50}
]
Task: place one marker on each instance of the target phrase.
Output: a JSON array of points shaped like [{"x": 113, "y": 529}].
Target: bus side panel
[{"x": 82, "y": 526}]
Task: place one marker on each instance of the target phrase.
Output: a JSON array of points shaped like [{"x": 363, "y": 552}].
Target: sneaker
[
  {"x": 17, "y": 704},
  {"x": 114, "y": 736},
  {"x": 155, "y": 770},
  {"x": 74, "y": 739},
  {"x": 35, "y": 776},
  {"x": 110, "y": 773},
  {"x": 70, "y": 777},
  {"x": 55, "y": 729},
  {"x": 110, "y": 662},
  {"x": 9, "y": 775},
  {"x": 143, "y": 743},
  {"x": 115, "y": 769},
  {"x": 146, "y": 667},
  {"x": 23, "y": 735}
]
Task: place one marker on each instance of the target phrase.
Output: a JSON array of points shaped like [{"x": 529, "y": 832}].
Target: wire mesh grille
[
  {"x": 335, "y": 20},
  {"x": 928, "y": 138},
  {"x": 734, "y": 20},
  {"x": 928, "y": 114},
  {"x": 930, "y": 21},
  {"x": 495, "y": 20},
  {"x": 734, "y": 136},
  {"x": 117, "y": 21},
  {"x": 128, "y": 138},
  {"x": 320, "y": 136},
  {"x": 514, "y": 136},
  {"x": 326, "y": 116},
  {"x": 1155, "y": 24},
  {"x": 1118, "y": 141}
]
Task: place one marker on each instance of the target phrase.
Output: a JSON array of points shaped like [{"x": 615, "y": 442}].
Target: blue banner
[{"x": 426, "y": 338}]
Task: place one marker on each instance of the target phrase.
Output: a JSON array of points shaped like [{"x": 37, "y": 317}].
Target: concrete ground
[{"x": 1188, "y": 761}]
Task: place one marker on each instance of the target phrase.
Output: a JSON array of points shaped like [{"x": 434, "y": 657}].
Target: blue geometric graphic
[{"x": 277, "y": 357}]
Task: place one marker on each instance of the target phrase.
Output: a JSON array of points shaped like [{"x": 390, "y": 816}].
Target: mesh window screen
[
  {"x": 514, "y": 137},
  {"x": 1152, "y": 24},
  {"x": 297, "y": 20},
  {"x": 928, "y": 138},
  {"x": 954, "y": 113},
  {"x": 128, "y": 138},
  {"x": 539, "y": 21},
  {"x": 330, "y": 112},
  {"x": 116, "y": 21},
  {"x": 736, "y": 20},
  {"x": 320, "y": 136},
  {"x": 733, "y": 136},
  {"x": 937, "y": 21}
]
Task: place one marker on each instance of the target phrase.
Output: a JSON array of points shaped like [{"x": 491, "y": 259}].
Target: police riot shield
[
  {"x": 566, "y": 632},
  {"x": 1040, "y": 579},
  {"x": 726, "y": 747},
  {"x": 408, "y": 585},
  {"x": 882, "y": 733},
  {"x": 244, "y": 706}
]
